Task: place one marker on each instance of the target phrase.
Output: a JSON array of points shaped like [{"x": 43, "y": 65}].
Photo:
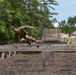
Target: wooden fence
[{"x": 44, "y": 49}]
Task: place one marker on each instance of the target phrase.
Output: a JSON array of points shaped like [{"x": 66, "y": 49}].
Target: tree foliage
[
  {"x": 68, "y": 26},
  {"x": 24, "y": 12}
]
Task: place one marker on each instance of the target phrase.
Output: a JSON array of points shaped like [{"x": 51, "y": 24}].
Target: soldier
[
  {"x": 20, "y": 32},
  {"x": 17, "y": 34}
]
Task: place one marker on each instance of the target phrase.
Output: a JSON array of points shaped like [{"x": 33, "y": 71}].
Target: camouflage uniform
[{"x": 22, "y": 34}]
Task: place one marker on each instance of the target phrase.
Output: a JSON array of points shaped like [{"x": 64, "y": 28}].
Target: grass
[{"x": 73, "y": 41}]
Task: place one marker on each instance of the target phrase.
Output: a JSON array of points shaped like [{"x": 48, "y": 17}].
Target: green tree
[
  {"x": 68, "y": 26},
  {"x": 24, "y": 12}
]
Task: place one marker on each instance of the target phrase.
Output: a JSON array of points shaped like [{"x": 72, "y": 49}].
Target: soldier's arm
[
  {"x": 25, "y": 31},
  {"x": 24, "y": 27}
]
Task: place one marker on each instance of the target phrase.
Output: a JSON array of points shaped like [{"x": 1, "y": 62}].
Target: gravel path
[{"x": 31, "y": 64}]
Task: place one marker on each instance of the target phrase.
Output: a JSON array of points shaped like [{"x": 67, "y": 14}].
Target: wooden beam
[{"x": 3, "y": 55}]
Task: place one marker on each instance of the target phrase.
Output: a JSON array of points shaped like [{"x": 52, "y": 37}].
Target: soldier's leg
[
  {"x": 28, "y": 41},
  {"x": 16, "y": 39}
]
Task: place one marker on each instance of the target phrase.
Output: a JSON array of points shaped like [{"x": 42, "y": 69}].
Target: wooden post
[
  {"x": 52, "y": 55},
  {"x": 15, "y": 52},
  {"x": 47, "y": 55},
  {"x": 45, "y": 58},
  {"x": 10, "y": 54},
  {"x": 3, "y": 55}
]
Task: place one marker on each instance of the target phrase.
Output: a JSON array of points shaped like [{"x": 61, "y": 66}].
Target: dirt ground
[{"x": 31, "y": 64}]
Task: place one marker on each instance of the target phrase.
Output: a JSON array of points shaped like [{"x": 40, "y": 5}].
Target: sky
[{"x": 66, "y": 8}]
